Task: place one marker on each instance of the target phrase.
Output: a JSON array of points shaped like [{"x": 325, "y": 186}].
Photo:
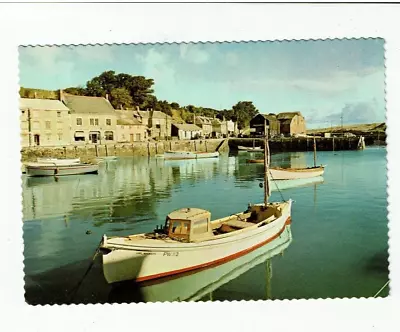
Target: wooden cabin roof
[{"x": 188, "y": 213}]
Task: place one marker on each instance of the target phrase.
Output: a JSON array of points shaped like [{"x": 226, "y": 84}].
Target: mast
[
  {"x": 266, "y": 164},
  {"x": 315, "y": 153}
]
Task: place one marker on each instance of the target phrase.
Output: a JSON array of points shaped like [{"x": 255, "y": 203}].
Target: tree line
[{"x": 126, "y": 91}]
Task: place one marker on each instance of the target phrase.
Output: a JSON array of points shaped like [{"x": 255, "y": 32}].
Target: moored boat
[
  {"x": 178, "y": 155},
  {"x": 250, "y": 149},
  {"x": 189, "y": 240},
  {"x": 39, "y": 169},
  {"x": 56, "y": 161}
]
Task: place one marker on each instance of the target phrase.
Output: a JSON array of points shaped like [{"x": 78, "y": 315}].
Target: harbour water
[{"x": 336, "y": 245}]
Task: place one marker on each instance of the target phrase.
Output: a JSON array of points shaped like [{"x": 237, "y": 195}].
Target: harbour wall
[
  {"x": 289, "y": 144},
  {"x": 89, "y": 152}
]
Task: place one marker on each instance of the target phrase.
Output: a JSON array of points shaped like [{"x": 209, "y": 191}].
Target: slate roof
[
  {"x": 42, "y": 104},
  {"x": 270, "y": 117},
  {"x": 128, "y": 122},
  {"x": 85, "y": 104},
  {"x": 203, "y": 120},
  {"x": 156, "y": 114},
  {"x": 287, "y": 115},
  {"x": 187, "y": 126}
]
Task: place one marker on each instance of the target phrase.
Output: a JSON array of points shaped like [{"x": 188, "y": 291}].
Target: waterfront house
[
  {"x": 257, "y": 125},
  {"x": 44, "y": 122},
  {"x": 93, "y": 119},
  {"x": 129, "y": 127},
  {"x": 158, "y": 123},
  {"x": 186, "y": 131},
  {"x": 205, "y": 123},
  {"x": 292, "y": 123},
  {"x": 223, "y": 128}
]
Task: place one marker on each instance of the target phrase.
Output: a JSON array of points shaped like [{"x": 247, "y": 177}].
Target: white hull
[
  {"x": 58, "y": 162},
  {"x": 145, "y": 259},
  {"x": 178, "y": 155},
  {"x": 194, "y": 286},
  {"x": 49, "y": 170},
  {"x": 250, "y": 149},
  {"x": 287, "y": 174}
]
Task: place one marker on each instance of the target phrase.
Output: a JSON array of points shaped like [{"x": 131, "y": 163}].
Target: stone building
[
  {"x": 292, "y": 123},
  {"x": 158, "y": 123},
  {"x": 223, "y": 128},
  {"x": 93, "y": 119},
  {"x": 129, "y": 128},
  {"x": 186, "y": 131},
  {"x": 257, "y": 125},
  {"x": 205, "y": 123},
  {"x": 44, "y": 122}
]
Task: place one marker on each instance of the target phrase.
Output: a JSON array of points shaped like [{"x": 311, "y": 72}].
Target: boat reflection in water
[{"x": 197, "y": 285}]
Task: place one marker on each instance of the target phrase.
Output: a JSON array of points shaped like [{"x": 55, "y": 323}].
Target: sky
[{"x": 323, "y": 79}]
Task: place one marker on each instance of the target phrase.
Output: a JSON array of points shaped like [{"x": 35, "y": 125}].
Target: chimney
[
  {"x": 107, "y": 96},
  {"x": 34, "y": 94},
  {"x": 61, "y": 95}
]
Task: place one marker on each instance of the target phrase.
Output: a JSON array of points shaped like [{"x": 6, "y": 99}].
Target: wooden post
[
  {"x": 333, "y": 143},
  {"x": 75, "y": 148},
  {"x": 156, "y": 148},
  {"x": 266, "y": 162},
  {"x": 65, "y": 151},
  {"x": 170, "y": 145},
  {"x": 195, "y": 146},
  {"x": 115, "y": 149},
  {"x": 97, "y": 150},
  {"x": 106, "y": 149},
  {"x": 148, "y": 149},
  {"x": 206, "y": 145},
  {"x": 315, "y": 153}
]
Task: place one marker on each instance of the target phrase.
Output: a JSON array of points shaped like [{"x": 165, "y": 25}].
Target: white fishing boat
[
  {"x": 178, "y": 155},
  {"x": 193, "y": 286},
  {"x": 190, "y": 240},
  {"x": 278, "y": 173},
  {"x": 58, "y": 162},
  {"x": 250, "y": 149},
  {"x": 40, "y": 169}
]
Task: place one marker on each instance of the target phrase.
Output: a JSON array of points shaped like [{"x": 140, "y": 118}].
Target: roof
[
  {"x": 84, "y": 104},
  {"x": 188, "y": 213},
  {"x": 128, "y": 122},
  {"x": 204, "y": 120},
  {"x": 187, "y": 126},
  {"x": 269, "y": 117},
  {"x": 42, "y": 104},
  {"x": 156, "y": 114},
  {"x": 287, "y": 115}
]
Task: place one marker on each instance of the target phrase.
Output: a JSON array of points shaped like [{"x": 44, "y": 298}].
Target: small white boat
[
  {"x": 189, "y": 240},
  {"x": 250, "y": 149},
  {"x": 296, "y": 173},
  {"x": 60, "y": 170},
  {"x": 178, "y": 155},
  {"x": 107, "y": 158},
  {"x": 55, "y": 161}
]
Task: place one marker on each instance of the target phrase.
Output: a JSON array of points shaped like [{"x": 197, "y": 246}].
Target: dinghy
[
  {"x": 250, "y": 149},
  {"x": 190, "y": 240},
  {"x": 58, "y": 162}
]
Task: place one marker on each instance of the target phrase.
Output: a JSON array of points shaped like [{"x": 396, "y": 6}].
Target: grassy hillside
[
  {"x": 379, "y": 126},
  {"x": 38, "y": 93}
]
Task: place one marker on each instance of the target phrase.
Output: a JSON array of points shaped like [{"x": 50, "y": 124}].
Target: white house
[{"x": 186, "y": 131}]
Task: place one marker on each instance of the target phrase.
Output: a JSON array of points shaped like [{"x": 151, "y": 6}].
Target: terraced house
[
  {"x": 93, "y": 119},
  {"x": 130, "y": 128},
  {"x": 44, "y": 122}
]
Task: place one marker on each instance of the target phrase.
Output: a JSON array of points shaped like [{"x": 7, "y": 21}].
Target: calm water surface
[{"x": 336, "y": 246}]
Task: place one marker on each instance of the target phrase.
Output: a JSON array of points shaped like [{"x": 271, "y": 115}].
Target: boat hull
[
  {"x": 250, "y": 149},
  {"x": 58, "y": 162},
  {"x": 179, "y": 155},
  {"x": 141, "y": 263},
  {"x": 291, "y": 174},
  {"x": 52, "y": 170}
]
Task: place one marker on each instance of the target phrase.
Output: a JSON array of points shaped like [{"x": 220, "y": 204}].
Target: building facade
[
  {"x": 159, "y": 124},
  {"x": 292, "y": 123},
  {"x": 129, "y": 128},
  {"x": 93, "y": 120},
  {"x": 44, "y": 122},
  {"x": 205, "y": 123},
  {"x": 184, "y": 131},
  {"x": 257, "y": 125}
]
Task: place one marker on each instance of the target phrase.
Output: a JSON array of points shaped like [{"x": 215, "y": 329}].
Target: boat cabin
[{"x": 189, "y": 224}]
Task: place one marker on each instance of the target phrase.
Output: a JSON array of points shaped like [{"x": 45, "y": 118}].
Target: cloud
[{"x": 193, "y": 53}]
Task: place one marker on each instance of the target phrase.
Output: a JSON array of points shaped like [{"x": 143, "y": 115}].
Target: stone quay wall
[{"x": 91, "y": 151}]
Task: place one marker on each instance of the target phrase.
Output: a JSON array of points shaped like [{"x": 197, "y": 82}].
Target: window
[
  {"x": 92, "y": 122},
  {"x": 158, "y": 126},
  {"x": 79, "y": 136},
  {"x": 79, "y": 121},
  {"x": 109, "y": 136},
  {"x": 48, "y": 138},
  {"x": 137, "y": 137},
  {"x": 108, "y": 122},
  {"x": 96, "y": 122},
  {"x": 48, "y": 125},
  {"x": 60, "y": 137},
  {"x": 200, "y": 226},
  {"x": 180, "y": 227},
  {"x": 58, "y": 114}
]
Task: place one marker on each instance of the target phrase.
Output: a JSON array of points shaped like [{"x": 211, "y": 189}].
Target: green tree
[
  {"x": 175, "y": 105},
  {"x": 78, "y": 91},
  {"x": 244, "y": 111},
  {"x": 120, "y": 98}
]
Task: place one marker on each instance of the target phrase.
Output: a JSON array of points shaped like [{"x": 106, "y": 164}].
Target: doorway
[
  {"x": 94, "y": 137},
  {"x": 36, "y": 139}
]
